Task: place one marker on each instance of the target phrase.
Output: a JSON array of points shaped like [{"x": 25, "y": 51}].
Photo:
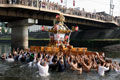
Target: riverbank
[
  {"x": 94, "y": 43},
  {"x": 111, "y": 48},
  {"x": 30, "y": 39}
]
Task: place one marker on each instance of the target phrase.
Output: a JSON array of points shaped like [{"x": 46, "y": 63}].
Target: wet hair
[
  {"x": 60, "y": 58},
  {"x": 74, "y": 61},
  {"x": 107, "y": 61},
  {"x": 104, "y": 58},
  {"x": 79, "y": 65},
  {"x": 97, "y": 61},
  {"x": 23, "y": 55},
  {"x": 43, "y": 63},
  {"x": 39, "y": 55},
  {"x": 92, "y": 60},
  {"x": 54, "y": 59},
  {"x": 110, "y": 61},
  {"x": 86, "y": 61},
  {"x": 43, "y": 56},
  {"x": 70, "y": 59},
  {"x": 55, "y": 56},
  {"x": 48, "y": 57},
  {"x": 10, "y": 56},
  {"x": 102, "y": 63}
]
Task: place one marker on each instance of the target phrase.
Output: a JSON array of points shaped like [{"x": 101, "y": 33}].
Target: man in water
[
  {"x": 10, "y": 58},
  {"x": 102, "y": 69},
  {"x": 43, "y": 68},
  {"x": 3, "y": 57},
  {"x": 60, "y": 65}
]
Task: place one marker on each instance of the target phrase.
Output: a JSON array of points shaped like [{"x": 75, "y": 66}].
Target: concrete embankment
[
  {"x": 94, "y": 43},
  {"x": 111, "y": 48},
  {"x": 96, "y": 34},
  {"x": 84, "y": 38},
  {"x": 78, "y": 43}
]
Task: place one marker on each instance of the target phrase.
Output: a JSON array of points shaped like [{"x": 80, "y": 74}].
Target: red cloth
[
  {"x": 43, "y": 28},
  {"x": 61, "y": 1},
  {"x": 57, "y": 16},
  {"x": 76, "y": 28},
  {"x": 66, "y": 37},
  {"x": 73, "y": 2}
]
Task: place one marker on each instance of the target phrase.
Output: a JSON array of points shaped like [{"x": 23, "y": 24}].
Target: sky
[{"x": 93, "y": 5}]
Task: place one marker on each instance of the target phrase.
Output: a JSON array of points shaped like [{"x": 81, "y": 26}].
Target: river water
[{"x": 20, "y": 71}]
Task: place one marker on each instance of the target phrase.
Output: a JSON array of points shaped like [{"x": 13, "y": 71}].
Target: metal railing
[{"x": 63, "y": 9}]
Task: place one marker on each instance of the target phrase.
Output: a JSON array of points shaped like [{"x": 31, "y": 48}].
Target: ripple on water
[
  {"x": 16, "y": 72},
  {"x": 3, "y": 68}
]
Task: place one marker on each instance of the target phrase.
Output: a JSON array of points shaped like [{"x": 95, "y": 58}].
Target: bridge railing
[
  {"x": 63, "y": 9},
  {"x": 32, "y": 3}
]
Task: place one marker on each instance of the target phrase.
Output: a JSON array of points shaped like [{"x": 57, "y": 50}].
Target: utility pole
[
  {"x": 66, "y": 3},
  {"x": 111, "y": 8}
]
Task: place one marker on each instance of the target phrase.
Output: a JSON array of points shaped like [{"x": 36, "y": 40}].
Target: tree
[{"x": 3, "y": 30}]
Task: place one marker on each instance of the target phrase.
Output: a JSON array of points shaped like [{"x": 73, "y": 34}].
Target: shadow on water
[
  {"x": 20, "y": 71},
  {"x": 16, "y": 72}
]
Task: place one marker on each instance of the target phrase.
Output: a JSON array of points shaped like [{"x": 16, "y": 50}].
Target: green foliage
[{"x": 3, "y": 30}]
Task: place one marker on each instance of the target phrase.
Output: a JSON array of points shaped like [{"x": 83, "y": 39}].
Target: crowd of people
[
  {"x": 55, "y": 6},
  {"x": 60, "y": 62}
]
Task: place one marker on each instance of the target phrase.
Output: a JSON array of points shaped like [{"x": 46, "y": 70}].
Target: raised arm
[
  {"x": 100, "y": 58},
  {"x": 88, "y": 67}
]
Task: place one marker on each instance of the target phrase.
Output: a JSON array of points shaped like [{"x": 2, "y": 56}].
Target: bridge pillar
[{"x": 19, "y": 37}]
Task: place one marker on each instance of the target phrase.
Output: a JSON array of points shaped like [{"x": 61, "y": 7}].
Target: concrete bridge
[{"x": 19, "y": 17}]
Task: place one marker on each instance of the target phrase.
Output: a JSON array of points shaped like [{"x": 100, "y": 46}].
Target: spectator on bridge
[
  {"x": 1, "y": 2},
  {"x": 43, "y": 4},
  {"x": 12, "y": 1},
  {"x": 4, "y": 1},
  {"x": 79, "y": 13},
  {"x": 47, "y": 5},
  {"x": 34, "y": 3},
  {"x": 29, "y": 2},
  {"x": 50, "y": 5},
  {"x": 83, "y": 12},
  {"x": 7, "y": 1},
  {"x": 40, "y": 4},
  {"x": 56, "y": 6},
  {"x": 94, "y": 15}
]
